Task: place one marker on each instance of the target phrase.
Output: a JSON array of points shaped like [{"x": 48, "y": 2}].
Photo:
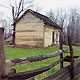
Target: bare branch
[{"x": 20, "y": 3}]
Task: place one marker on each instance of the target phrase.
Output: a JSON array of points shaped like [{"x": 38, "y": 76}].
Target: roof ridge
[{"x": 45, "y": 19}]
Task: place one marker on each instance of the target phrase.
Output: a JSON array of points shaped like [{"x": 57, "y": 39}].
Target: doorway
[{"x": 53, "y": 37}]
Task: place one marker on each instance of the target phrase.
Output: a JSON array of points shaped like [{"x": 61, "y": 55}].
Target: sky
[
  {"x": 45, "y": 5},
  {"x": 57, "y": 4}
]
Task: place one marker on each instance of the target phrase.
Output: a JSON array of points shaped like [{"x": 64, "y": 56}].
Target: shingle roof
[{"x": 45, "y": 19}]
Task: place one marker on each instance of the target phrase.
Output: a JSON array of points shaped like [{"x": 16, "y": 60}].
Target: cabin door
[{"x": 53, "y": 37}]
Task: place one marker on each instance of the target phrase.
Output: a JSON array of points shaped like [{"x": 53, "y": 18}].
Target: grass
[
  {"x": 20, "y": 53},
  {"x": 77, "y": 46},
  {"x": 76, "y": 51}
]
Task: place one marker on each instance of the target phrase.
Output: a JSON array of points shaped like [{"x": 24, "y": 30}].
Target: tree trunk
[
  {"x": 61, "y": 48},
  {"x": 13, "y": 37}
]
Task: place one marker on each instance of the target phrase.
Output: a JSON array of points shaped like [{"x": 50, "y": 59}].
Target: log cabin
[{"x": 36, "y": 30}]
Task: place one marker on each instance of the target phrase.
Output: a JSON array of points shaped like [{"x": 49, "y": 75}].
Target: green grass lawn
[
  {"x": 20, "y": 53},
  {"x": 77, "y": 46}
]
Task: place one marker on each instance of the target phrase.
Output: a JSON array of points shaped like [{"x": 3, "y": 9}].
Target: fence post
[
  {"x": 2, "y": 55},
  {"x": 61, "y": 48},
  {"x": 72, "y": 58}
]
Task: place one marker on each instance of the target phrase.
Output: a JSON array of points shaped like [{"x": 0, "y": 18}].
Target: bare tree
[
  {"x": 69, "y": 21},
  {"x": 4, "y": 23},
  {"x": 53, "y": 16},
  {"x": 73, "y": 25},
  {"x": 59, "y": 17},
  {"x": 18, "y": 8},
  {"x": 7, "y": 32}
]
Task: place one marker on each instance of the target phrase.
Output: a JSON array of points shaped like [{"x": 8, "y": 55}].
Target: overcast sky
[
  {"x": 45, "y": 5},
  {"x": 57, "y": 4}
]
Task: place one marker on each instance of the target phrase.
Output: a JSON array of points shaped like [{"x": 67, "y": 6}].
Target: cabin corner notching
[{"x": 36, "y": 30}]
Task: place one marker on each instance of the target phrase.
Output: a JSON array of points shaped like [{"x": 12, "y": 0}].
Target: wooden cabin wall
[
  {"x": 29, "y": 31},
  {"x": 48, "y": 35}
]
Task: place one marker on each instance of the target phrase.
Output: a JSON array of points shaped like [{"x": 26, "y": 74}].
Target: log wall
[
  {"x": 29, "y": 31},
  {"x": 48, "y": 34}
]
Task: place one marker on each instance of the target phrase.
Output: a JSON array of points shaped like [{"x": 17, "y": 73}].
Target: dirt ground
[{"x": 77, "y": 48}]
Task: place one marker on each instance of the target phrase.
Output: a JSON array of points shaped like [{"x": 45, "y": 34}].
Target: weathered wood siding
[
  {"x": 48, "y": 35},
  {"x": 64, "y": 73},
  {"x": 29, "y": 31}
]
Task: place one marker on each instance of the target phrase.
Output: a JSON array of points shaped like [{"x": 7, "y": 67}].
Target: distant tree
[
  {"x": 69, "y": 21},
  {"x": 6, "y": 26},
  {"x": 58, "y": 17},
  {"x": 4, "y": 23},
  {"x": 53, "y": 16},
  {"x": 73, "y": 28}
]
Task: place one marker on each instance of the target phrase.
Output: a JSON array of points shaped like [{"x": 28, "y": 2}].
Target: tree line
[{"x": 69, "y": 21}]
